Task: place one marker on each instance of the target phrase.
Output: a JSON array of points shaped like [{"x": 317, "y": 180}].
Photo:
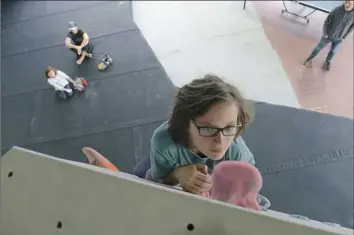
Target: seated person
[
  {"x": 61, "y": 82},
  {"x": 77, "y": 41}
]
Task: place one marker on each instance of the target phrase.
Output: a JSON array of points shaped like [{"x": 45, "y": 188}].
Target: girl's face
[
  {"x": 51, "y": 74},
  {"x": 205, "y": 138}
]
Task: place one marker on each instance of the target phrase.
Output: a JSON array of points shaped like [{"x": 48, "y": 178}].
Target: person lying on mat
[
  {"x": 78, "y": 41},
  {"x": 61, "y": 82},
  {"x": 234, "y": 182},
  {"x": 208, "y": 117},
  {"x": 205, "y": 127}
]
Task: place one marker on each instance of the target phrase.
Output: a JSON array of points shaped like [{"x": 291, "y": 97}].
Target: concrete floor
[
  {"x": 194, "y": 38},
  {"x": 293, "y": 39},
  {"x": 257, "y": 49}
]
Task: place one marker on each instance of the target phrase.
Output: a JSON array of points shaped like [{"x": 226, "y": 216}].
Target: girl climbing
[{"x": 234, "y": 182}]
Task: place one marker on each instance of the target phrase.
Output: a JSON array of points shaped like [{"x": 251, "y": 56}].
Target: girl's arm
[
  {"x": 349, "y": 31},
  {"x": 55, "y": 85},
  {"x": 85, "y": 40},
  {"x": 66, "y": 76}
]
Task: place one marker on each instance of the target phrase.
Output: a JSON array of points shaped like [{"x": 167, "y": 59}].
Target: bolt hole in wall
[
  {"x": 190, "y": 227},
  {"x": 59, "y": 224}
]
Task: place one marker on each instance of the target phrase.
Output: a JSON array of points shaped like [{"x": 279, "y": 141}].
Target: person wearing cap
[{"x": 78, "y": 41}]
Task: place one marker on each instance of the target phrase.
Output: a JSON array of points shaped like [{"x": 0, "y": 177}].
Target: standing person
[
  {"x": 62, "y": 83},
  {"x": 337, "y": 26},
  {"x": 78, "y": 41}
]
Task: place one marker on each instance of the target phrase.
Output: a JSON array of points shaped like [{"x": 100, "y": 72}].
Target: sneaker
[
  {"x": 81, "y": 80},
  {"x": 307, "y": 63},
  {"x": 84, "y": 81},
  {"x": 326, "y": 66},
  {"x": 78, "y": 80},
  {"x": 263, "y": 202}
]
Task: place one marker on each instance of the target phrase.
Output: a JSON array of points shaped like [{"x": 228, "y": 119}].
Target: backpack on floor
[
  {"x": 106, "y": 62},
  {"x": 81, "y": 83}
]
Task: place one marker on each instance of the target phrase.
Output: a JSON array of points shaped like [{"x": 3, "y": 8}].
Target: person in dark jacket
[{"x": 337, "y": 26}]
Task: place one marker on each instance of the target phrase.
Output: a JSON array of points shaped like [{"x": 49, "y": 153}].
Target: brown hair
[
  {"x": 196, "y": 98},
  {"x": 48, "y": 69}
]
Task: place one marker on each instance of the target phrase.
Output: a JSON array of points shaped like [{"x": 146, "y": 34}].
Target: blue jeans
[
  {"x": 63, "y": 95},
  {"x": 321, "y": 44}
]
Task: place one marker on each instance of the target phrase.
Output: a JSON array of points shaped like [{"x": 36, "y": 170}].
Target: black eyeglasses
[{"x": 207, "y": 131}]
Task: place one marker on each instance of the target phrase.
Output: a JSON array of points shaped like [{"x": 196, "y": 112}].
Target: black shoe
[
  {"x": 307, "y": 63},
  {"x": 326, "y": 66}
]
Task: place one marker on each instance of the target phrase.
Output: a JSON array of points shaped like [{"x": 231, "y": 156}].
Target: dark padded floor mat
[
  {"x": 113, "y": 103},
  {"x": 130, "y": 52},
  {"x": 134, "y": 91},
  {"x": 142, "y": 137},
  {"x": 16, "y": 119},
  {"x": 296, "y": 133},
  {"x": 14, "y": 11},
  {"x": 117, "y": 145},
  {"x": 307, "y": 161},
  {"x": 322, "y": 192},
  {"x": 51, "y": 30},
  {"x": 107, "y": 104}
]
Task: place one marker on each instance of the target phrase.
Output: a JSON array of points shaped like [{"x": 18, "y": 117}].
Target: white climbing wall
[{"x": 42, "y": 195}]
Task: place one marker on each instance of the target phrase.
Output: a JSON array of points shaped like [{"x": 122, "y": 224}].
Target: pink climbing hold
[{"x": 237, "y": 183}]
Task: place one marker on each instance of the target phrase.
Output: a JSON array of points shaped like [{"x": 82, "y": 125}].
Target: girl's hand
[{"x": 194, "y": 178}]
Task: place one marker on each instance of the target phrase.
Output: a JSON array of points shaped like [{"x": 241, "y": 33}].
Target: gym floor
[
  {"x": 327, "y": 92},
  {"x": 309, "y": 158},
  {"x": 258, "y": 49},
  {"x": 125, "y": 102}
]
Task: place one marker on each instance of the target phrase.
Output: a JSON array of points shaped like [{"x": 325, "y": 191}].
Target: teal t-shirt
[{"x": 166, "y": 155}]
